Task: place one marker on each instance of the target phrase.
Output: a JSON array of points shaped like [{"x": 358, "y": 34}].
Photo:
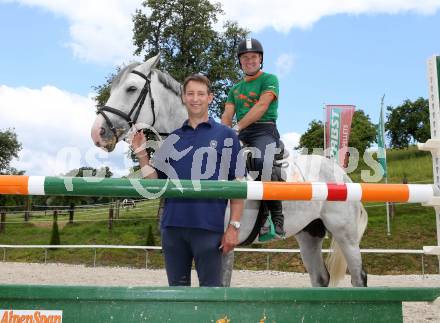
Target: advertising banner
[{"x": 337, "y": 131}]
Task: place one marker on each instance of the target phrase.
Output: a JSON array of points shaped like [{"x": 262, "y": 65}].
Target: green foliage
[
  {"x": 313, "y": 137},
  {"x": 408, "y": 123},
  {"x": 9, "y": 148},
  {"x": 91, "y": 172},
  {"x": 362, "y": 135},
  {"x": 363, "y": 132},
  {"x": 150, "y": 237}
]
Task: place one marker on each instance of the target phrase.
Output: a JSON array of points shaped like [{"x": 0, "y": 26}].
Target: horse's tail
[{"x": 336, "y": 263}]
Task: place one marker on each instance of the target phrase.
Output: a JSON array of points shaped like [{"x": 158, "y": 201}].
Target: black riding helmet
[{"x": 250, "y": 45}]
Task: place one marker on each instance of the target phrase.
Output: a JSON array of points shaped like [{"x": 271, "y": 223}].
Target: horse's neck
[
  {"x": 170, "y": 111},
  {"x": 170, "y": 118}
]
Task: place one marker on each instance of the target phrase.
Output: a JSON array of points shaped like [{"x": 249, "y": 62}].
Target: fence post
[
  {"x": 28, "y": 206},
  {"x": 2, "y": 221},
  {"x": 110, "y": 218},
  {"x": 55, "y": 235},
  {"x": 117, "y": 207},
  {"x": 71, "y": 212}
]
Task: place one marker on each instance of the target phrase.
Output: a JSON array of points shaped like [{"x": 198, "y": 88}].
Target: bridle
[{"x": 133, "y": 115}]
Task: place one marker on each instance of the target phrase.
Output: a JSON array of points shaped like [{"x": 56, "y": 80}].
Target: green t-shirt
[{"x": 245, "y": 94}]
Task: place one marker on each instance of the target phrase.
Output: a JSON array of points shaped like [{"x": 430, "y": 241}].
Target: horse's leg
[
  {"x": 310, "y": 243},
  {"x": 227, "y": 266},
  {"x": 353, "y": 257},
  {"x": 352, "y": 254},
  {"x": 347, "y": 234}
]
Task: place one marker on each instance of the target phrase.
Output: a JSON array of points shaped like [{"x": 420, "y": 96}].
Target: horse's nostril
[{"x": 102, "y": 132}]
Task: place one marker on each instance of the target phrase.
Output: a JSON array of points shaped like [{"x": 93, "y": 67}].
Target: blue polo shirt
[{"x": 208, "y": 152}]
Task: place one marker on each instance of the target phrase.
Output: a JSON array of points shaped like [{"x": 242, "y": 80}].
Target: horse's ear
[
  {"x": 150, "y": 64},
  {"x": 155, "y": 60}
]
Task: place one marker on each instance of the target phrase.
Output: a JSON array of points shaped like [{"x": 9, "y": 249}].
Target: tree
[
  {"x": 363, "y": 134},
  {"x": 408, "y": 123},
  {"x": 92, "y": 172},
  {"x": 313, "y": 137},
  {"x": 9, "y": 148},
  {"x": 182, "y": 32}
]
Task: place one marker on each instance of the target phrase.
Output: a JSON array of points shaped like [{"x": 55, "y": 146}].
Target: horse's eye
[{"x": 132, "y": 89}]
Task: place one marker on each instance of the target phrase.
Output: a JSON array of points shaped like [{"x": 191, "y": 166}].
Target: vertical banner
[
  {"x": 382, "y": 156},
  {"x": 380, "y": 138},
  {"x": 337, "y": 131}
]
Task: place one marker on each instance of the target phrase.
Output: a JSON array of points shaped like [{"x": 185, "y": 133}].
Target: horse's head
[{"x": 130, "y": 101}]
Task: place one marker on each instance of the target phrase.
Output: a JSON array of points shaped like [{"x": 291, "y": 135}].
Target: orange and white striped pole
[{"x": 124, "y": 187}]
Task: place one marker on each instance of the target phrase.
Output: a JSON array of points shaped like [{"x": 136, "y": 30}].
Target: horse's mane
[
  {"x": 169, "y": 82},
  {"x": 166, "y": 79}
]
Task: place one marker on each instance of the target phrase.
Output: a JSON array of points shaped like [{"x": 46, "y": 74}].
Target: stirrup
[{"x": 267, "y": 231}]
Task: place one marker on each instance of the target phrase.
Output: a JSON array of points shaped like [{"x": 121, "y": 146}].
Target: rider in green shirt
[{"x": 254, "y": 102}]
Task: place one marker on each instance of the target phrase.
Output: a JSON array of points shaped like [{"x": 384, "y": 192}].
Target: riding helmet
[{"x": 250, "y": 45}]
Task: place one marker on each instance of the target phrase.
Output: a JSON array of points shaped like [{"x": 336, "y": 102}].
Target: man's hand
[
  {"x": 138, "y": 144},
  {"x": 230, "y": 239}
]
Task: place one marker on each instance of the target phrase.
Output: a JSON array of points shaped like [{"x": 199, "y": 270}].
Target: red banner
[{"x": 337, "y": 131}]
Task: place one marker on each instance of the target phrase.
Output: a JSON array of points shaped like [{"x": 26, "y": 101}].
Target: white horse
[{"x": 142, "y": 94}]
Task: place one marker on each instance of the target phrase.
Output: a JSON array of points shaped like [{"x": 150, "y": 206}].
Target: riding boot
[
  {"x": 276, "y": 213},
  {"x": 278, "y": 174}
]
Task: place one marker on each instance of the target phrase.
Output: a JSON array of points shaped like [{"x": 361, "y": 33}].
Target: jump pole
[{"x": 154, "y": 188}]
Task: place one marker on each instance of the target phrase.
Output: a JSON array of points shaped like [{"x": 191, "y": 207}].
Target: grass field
[{"x": 412, "y": 227}]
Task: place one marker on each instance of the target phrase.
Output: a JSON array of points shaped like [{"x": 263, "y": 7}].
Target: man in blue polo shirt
[{"x": 193, "y": 229}]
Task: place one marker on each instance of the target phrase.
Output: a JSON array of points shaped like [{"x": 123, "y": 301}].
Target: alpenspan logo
[{"x": 31, "y": 316}]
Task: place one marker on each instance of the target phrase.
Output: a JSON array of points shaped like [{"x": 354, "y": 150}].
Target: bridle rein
[{"x": 133, "y": 115}]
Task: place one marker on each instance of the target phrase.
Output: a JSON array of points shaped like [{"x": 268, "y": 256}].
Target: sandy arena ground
[{"x": 57, "y": 274}]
